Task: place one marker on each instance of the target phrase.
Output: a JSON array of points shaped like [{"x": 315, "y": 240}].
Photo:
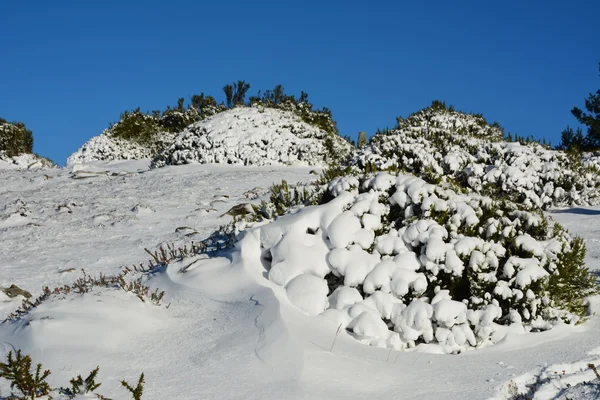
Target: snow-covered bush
[
  {"x": 398, "y": 261},
  {"x": 140, "y": 135},
  {"x": 254, "y": 136},
  {"x": 16, "y": 147},
  {"x": 277, "y": 98},
  {"x": 15, "y": 138},
  {"x": 463, "y": 150}
]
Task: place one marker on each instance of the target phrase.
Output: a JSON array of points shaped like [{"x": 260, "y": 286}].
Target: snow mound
[
  {"x": 443, "y": 145},
  {"x": 399, "y": 262},
  {"x": 106, "y": 147},
  {"x": 24, "y": 161},
  {"x": 253, "y": 136}
]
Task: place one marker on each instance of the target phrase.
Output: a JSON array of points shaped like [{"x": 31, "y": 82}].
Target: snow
[
  {"x": 251, "y": 136},
  {"x": 23, "y": 161},
  {"x": 463, "y": 148},
  {"x": 308, "y": 293},
  {"x": 229, "y": 331},
  {"x": 243, "y": 136}
]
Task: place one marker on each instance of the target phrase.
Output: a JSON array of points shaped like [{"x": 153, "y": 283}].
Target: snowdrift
[{"x": 254, "y": 136}]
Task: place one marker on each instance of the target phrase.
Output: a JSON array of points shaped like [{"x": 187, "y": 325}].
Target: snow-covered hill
[
  {"x": 243, "y": 136},
  {"x": 254, "y": 136},
  {"x": 443, "y": 145},
  {"x": 223, "y": 330}
]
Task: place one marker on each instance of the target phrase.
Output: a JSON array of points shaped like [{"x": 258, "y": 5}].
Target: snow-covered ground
[{"x": 228, "y": 332}]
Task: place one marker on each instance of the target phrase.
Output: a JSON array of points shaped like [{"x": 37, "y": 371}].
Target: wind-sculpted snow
[
  {"x": 446, "y": 146},
  {"x": 254, "y": 136},
  {"x": 408, "y": 262}
]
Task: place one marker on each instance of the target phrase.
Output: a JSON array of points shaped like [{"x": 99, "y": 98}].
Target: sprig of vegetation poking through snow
[{"x": 32, "y": 384}]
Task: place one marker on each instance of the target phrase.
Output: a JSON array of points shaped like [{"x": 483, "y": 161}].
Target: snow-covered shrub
[
  {"x": 458, "y": 149},
  {"x": 277, "y": 98},
  {"x": 139, "y": 135},
  {"x": 399, "y": 261},
  {"x": 15, "y": 138},
  {"x": 135, "y": 126},
  {"x": 254, "y": 136}
]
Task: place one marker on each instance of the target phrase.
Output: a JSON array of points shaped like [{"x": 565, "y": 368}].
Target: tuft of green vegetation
[
  {"x": 15, "y": 138},
  {"x": 136, "y": 127},
  {"x": 138, "y": 390},
  {"x": 575, "y": 139},
  {"x": 31, "y": 384},
  {"x": 17, "y": 370}
]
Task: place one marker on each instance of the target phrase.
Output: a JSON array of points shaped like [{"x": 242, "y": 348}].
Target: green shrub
[
  {"x": 15, "y": 138},
  {"x": 32, "y": 384},
  {"x": 18, "y": 371},
  {"x": 136, "y": 127}
]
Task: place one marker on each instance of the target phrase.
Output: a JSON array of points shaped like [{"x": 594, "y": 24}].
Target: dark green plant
[
  {"x": 82, "y": 386},
  {"x": 591, "y": 120},
  {"x": 136, "y": 126},
  {"x": 235, "y": 94},
  {"x": 15, "y": 138},
  {"x": 138, "y": 390},
  {"x": 572, "y": 281},
  {"x": 18, "y": 371}
]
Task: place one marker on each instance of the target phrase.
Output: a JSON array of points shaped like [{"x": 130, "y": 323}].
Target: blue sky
[{"x": 68, "y": 68}]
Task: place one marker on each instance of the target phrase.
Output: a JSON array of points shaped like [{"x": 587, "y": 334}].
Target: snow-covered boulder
[{"x": 254, "y": 136}]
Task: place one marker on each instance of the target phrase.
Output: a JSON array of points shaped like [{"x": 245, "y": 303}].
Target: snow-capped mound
[
  {"x": 443, "y": 145},
  {"x": 105, "y": 147},
  {"x": 24, "y": 161},
  {"x": 397, "y": 262},
  {"x": 254, "y": 136}
]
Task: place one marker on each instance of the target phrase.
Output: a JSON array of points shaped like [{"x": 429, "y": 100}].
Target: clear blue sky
[{"x": 68, "y": 68}]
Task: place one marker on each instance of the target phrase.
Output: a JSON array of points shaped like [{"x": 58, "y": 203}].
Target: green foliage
[
  {"x": 18, "y": 371},
  {"x": 15, "y": 138},
  {"x": 591, "y": 119},
  {"x": 572, "y": 281},
  {"x": 571, "y": 140},
  {"x": 82, "y": 386},
  {"x": 277, "y": 98},
  {"x": 235, "y": 94},
  {"x": 136, "y": 127},
  {"x": 33, "y": 385},
  {"x": 138, "y": 390},
  {"x": 362, "y": 139}
]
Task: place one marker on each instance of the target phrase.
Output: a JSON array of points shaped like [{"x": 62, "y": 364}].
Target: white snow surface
[{"x": 228, "y": 331}]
